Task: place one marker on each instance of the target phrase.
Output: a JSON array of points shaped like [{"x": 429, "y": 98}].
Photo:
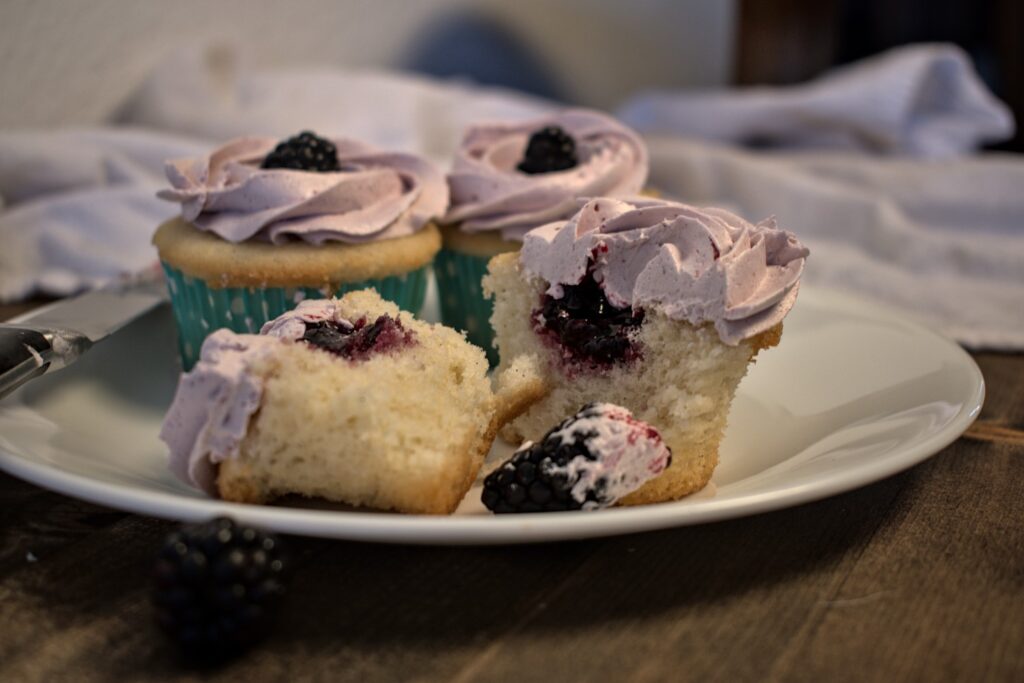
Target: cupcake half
[
  {"x": 507, "y": 179},
  {"x": 265, "y": 225},
  {"x": 656, "y": 306},
  {"x": 346, "y": 399}
]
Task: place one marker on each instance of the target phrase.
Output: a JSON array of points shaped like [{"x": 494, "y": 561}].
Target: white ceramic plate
[{"x": 852, "y": 395}]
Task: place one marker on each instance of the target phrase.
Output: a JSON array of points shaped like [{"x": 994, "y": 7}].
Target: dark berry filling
[
  {"x": 362, "y": 340},
  {"x": 304, "y": 152},
  {"x": 550, "y": 149},
  {"x": 217, "y": 586},
  {"x": 589, "y": 330}
]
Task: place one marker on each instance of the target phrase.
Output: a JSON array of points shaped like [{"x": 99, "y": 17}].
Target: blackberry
[
  {"x": 587, "y": 326},
  {"x": 589, "y": 461},
  {"x": 550, "y": 149},
  {"x": 535, "y": 479},
  {"x": 216, "y": 586},
  {"x": 304, "y": 152},
  {"x": 528, "y": 482}
]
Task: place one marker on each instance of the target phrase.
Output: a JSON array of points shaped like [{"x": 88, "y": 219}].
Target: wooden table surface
[{"x": 917, "y": 577}]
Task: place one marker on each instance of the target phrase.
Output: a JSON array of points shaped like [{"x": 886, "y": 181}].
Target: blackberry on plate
[
  {"x": 549, "y": 149},
  {"x": 216, "y": 586},
  {"x": 304, "y": 152},
  {"x": 587, "y": 462}
]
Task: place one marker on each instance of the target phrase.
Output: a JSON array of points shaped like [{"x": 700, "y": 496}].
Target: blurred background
[{"x": 76, "y": 62}]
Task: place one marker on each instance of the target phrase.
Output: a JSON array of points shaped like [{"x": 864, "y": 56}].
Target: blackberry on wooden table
[{"x": 217, "y": 585}]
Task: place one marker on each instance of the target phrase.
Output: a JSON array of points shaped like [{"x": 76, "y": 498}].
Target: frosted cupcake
[
  {"x": 656, "y": 306},
  {"x": 264, "y": 225},
  {"x": 507, "y": 179}
]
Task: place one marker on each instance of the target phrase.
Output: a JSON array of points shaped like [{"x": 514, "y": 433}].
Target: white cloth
[
  {"x": 392, "y": 110},
  {"x": 78, "y": 207},
  {"x": 943, "y": 241},
  {"x": 922, "y": 100}
]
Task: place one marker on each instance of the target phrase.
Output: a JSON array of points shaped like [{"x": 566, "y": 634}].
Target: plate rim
[{"x": 523, "y": 528}]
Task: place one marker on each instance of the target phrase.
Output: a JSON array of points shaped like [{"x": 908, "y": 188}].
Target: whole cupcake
[
  {"x": 265, "y": 225},
  {"x": 655, "y": 306},
  {"x": 507, "y": 179}
]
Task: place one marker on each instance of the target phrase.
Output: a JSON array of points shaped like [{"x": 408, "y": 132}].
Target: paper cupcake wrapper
[
  {"x": 199, "y": 309},
  {"x": 463, "y": 305}
]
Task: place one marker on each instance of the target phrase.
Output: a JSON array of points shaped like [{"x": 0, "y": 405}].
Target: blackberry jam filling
[
  {"x": 587, "y": 327},
  {"x": 362, "y": 340}
]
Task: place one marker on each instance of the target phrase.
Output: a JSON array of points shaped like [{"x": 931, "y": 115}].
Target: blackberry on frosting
[
  {"x": 549, "y": 149},
  {"x": 304, "y": 152},
  {"x": 505, "y": 177}
]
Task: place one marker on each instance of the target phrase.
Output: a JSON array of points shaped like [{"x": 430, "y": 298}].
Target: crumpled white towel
[
  {"x": 211, "y": 93},
  {"x": 921, "y": 100},
  {"x": 943, "y": 242},
  {"x": 79, "y": 206}
]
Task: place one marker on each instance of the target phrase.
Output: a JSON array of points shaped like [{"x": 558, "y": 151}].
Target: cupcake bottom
[
  {"x": 460, "y": 266},
  {"x": 199, "y": 309},
  {"x": 217, "y": 284}
]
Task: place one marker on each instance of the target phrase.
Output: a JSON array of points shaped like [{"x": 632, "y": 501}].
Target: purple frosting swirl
[
  {"x": 699, "y": 265},
  {"x": 489, "y": 193},
  {"x": 376, "y": 195}
]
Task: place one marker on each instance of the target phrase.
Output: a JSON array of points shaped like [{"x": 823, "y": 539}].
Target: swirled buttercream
[
  {"x": 489, "y": 193},
  {"x": 375, "y": 195},
  {"x": 699, "y": 265}
]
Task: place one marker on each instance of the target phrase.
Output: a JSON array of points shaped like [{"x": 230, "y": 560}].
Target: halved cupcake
[
  {"x": 656, "y": 306},
  {"x": 345, "y": 399}
]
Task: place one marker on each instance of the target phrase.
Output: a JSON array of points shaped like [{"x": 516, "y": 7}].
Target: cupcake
[
  {"x": 265, "y": 225},
  {"x": 656, "y": 306},
  {"x": 507, "y": 179},
  {"x": 344, "y": 399}
]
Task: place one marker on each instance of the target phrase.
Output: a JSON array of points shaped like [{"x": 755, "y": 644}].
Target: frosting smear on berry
[{"x": 588, "y": 462}]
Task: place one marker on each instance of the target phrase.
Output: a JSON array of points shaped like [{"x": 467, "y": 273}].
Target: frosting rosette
[
  {"x": 698, "y": 265},
  {"x": 488, "y": 192},
  {"x": 375, "y": 194}
]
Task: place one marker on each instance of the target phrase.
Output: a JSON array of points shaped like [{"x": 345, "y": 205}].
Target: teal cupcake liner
[
  {"x": 463, "y": 305},
  {"x": 200, "y": 309}
]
